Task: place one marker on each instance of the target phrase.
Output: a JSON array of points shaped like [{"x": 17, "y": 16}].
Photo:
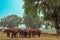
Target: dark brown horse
[
  {"x": 38, "y": 32},
  {"x": 8, "y": 31},
  {"x": 14, "y": 33},
  {"x": 21, "y": 32}
]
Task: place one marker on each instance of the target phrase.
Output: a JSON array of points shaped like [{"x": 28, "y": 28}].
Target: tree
[
  {"x": 50, "y": 9},
  {"x": 11, "y": 21},
  {"x": 30, "y": 7},
  {"x": 31, "y": 22},
  {"x": 52, "y": 13}
]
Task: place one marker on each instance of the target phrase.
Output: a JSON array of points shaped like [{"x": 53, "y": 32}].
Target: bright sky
[{"x": 8, "y": 7}]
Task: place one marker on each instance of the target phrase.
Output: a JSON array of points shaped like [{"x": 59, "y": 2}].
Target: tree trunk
[
  {"x": 57, "y": 27},
  {"x": 55, "y": 16}
]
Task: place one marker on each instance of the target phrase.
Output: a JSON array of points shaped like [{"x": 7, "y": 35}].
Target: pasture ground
[{"x": 43, "y": 37}]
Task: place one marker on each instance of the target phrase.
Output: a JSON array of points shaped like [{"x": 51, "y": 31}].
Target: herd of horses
[{"x": 22, "y": 33}]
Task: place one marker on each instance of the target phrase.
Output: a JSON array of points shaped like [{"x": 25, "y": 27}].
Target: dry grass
[{"x": 43, "y": 37}]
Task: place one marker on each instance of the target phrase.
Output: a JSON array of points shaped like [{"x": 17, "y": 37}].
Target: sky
[{"x": 9, "y": 7}]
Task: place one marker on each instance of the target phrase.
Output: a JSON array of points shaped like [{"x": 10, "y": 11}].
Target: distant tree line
[{"x": 15, "y": 20}]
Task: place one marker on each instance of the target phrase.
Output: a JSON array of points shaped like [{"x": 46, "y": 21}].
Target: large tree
[
  {"x": 11, "y": 21},
  {"x": 50, "y": 9},
  {"x": 32, "y": 22}
]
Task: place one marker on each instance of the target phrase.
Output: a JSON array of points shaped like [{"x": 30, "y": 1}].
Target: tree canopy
[
  {"x": 11, "y": 21},
  {"x": 50, "y": 9},
  {"x": 31, "y": 22}
]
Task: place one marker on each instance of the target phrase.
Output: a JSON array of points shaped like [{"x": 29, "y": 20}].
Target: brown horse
[
  {"x": 38, "y": 32},
  {"x": 8, "y": 31},
  {"x": 14, "y": 33},
  {"x": 21, "y": 32}
]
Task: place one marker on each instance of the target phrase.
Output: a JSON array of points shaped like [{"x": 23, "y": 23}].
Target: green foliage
[
  {"x": 50, "y": 8},
  {"x": 11, "y": 21},
  {"x": 30, "y": 7},
  {"x": 32, "y": 22}
]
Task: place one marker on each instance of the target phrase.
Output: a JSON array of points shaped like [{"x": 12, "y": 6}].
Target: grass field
[{"x": 43, "y": 37}]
